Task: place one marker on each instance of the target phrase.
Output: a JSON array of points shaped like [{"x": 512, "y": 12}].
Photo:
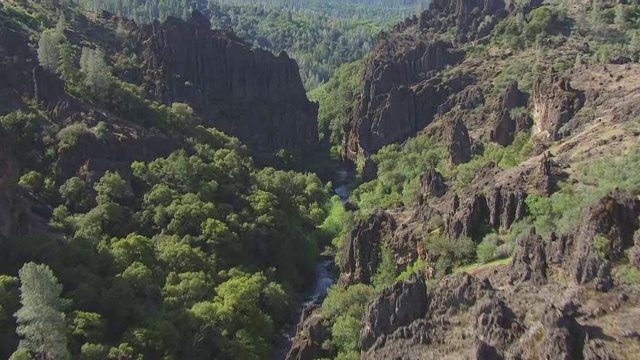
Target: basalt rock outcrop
[
  {"x": 361, "y": 251},
  {"x": 311, "y": 336},
  {"x": 251, "y": 94},
  {"x": 422, "y": 318},
  {"x": 468, "y": 318},
  {"x": 399, "y": 97},
  {"x": 459, "y": 143},
  {"x": 431, "y": 184},
  {"x": 530, "y": 261},
  {"x": 605, "y": 234},
  {"x": 15, "y": 79},
  {"x": 398, "y": 305},
  {"x": 553, "y": 103},
  {"x": 508, "y": 124},
  {"x": 471, "y": 19},
  {"x": 476, "y": 214},
  {"x": 403, "y": 89}
]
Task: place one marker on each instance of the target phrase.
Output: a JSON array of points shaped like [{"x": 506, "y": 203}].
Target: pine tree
[
  {"x": 95, "y": 70},
  {"x": 48, "y": 50},
  {"x": 41, "y": 322},
  {"x": 66, "y": 67}
]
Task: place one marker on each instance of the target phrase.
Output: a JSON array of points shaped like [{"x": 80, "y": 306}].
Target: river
[{"x": 323, "y": 279}]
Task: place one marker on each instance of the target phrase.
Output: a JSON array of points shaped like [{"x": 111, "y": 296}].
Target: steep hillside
[
  {"x": 498, "y": 139},
  {"x": 131, "y": 225}
]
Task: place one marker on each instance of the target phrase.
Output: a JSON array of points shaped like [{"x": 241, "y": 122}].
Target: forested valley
[{"x": 176, "y": 177}]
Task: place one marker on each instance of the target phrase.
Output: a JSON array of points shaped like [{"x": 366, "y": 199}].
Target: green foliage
[
  {"x": 349, "y": 301},
  {"x": 628, "y": 273},
  {"x": 487, "y": 249},
  {"x": 112, "y": 187},
  {"x": 102, "y": 130},
  {"x": 9, "y": 303},
  {"x": 603, "y": 247},
  {"x": 503, "y": 156},
  {"x": 541, "y": 23},
  {"x": 564, "y": 208},
  {"x": 93, "y": 352},
  {"x": 450, "y": 253},
  {"x": 399, "y": 170},
  {"x": 32, "y": 180},
  {"x": 95, "y": 71},
  {"x": 41, "y": 322},
  {"x": 321, "y": 36},
  {"x": 417, "y": 266},
  {"x": 387, "y": 271},
  {"x": 335, "y": 98},
  {"x": 69, "y": 135},
  {"x": 87, "y": 327},
  {"x": 345, "y": 333},
  {"x": 21, "y": 354}
]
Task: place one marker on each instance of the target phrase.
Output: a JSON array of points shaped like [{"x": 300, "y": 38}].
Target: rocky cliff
[
  {"x": 404, "y": 86},
  {"x": 251, "y": 94},
  {"x": 519, "y": 311}
]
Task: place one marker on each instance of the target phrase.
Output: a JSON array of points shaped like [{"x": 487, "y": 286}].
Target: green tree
[
  {"x": 32, "y": 180},
  {"x": 9, "y": 303},
  {"x": 95, "y": 70},
  {"x": 41, "y": 320},
  {"x": 66, "y": 64},
  {"x": 74, "y": 193},
  {"x": 112, "y": 187},
  {"x": 87, "y": 327},
  {"x": 387, "y": 271},
  {"x": 48, "y": 50},
  {"x": 21, "y": 354}
]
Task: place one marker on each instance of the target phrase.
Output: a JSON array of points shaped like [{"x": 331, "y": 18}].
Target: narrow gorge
[{"x": 469, "y": 189}]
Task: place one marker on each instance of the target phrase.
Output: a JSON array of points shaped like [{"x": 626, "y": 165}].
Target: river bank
[{"x": 323, "y": 280}]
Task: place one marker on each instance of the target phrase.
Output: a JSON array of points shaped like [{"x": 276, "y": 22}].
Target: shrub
[
  {"x": 32, "y": 180},
  {"x": 345, "y": 333},
  {"x": 486, "y": 250},
  {"x": 70, "y": 135},
  {"x": 349, "y": 301},
  {"x": 101, "y": 129},
  {"x": 629, "y": 274},
  {"x": 603, "y": 247},
  {"x": 518, "y": 111}
]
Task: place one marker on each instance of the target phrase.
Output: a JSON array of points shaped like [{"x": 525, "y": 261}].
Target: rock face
[
  {"x": 14, "y": 74},
  {"x": 603, "y": 237},
  {"x": 311, "y": 334},
  {"x": 361, "y": 251},
  {"x": 507, "y": 124},
  {"x": 398, "y": 305},
  {"x": 459, "y": 143},
  {"x": 530, "y": 261},
  {"x": 465, "y": 16},
  {"x": 402, "y": 90},
  {"x": 553, "y": 103},
  {"x": 247, "y": 93},
  {"x": 475, "y": 214},
  {"x": 395, "y": 103},
  {"x": 431, "y": 184},
  {"x": 605, "y": 234}
]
